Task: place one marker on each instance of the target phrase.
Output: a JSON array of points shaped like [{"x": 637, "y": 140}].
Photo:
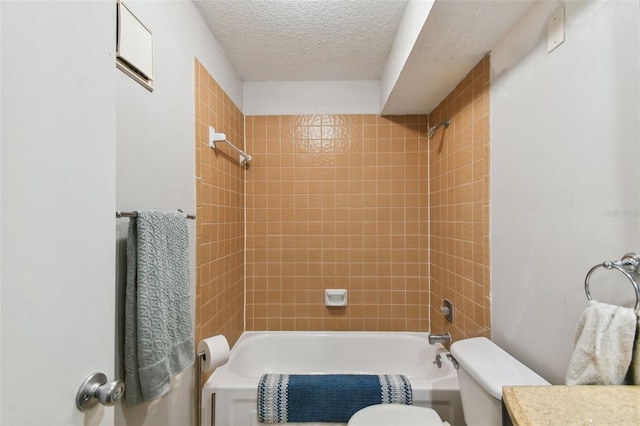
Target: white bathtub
[{"x": 229, "y": 396}]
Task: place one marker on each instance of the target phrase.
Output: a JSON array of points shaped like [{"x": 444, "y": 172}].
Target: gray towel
[
  {"x": 158, "y": 325},
  {"x": 603, "y": 347}
]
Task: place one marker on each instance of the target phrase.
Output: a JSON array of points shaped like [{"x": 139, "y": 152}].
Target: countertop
[{"x": 572, "y": 405}]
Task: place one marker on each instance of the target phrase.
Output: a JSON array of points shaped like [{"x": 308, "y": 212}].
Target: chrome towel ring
[{"x": 629, "y": 265}]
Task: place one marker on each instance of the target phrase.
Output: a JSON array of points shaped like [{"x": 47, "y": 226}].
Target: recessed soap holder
[{"x": 335, "y": 297}]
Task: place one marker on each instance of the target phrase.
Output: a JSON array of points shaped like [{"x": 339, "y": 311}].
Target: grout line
[{"x": 428, "y": 195}]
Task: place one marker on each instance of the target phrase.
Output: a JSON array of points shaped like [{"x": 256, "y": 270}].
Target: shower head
[{"x": 433, "y": 129}]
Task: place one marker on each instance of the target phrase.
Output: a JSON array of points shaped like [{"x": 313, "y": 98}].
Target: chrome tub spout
[{"x": 439, "y": 338}]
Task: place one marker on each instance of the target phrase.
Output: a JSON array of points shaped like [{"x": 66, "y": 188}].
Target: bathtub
[{"x": 229, "y": 396}]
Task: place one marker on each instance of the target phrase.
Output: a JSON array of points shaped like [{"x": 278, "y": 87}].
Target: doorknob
[{"x": 96, "y": 388}]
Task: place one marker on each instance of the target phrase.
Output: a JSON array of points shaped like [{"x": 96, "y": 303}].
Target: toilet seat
[{"x": 395, "y": 415}]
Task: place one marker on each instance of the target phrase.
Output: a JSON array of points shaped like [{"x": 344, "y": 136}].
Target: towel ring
[{"x": 628, "y": 265}]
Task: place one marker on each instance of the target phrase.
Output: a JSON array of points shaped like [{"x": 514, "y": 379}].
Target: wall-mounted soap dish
[{"x": 335, "y": 297}]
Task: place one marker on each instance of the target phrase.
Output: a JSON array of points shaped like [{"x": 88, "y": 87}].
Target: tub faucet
[{"x": 439, "y": 338}]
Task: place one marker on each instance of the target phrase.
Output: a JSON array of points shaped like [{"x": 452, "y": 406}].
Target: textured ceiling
[
  {"x": 325, "y": 40},
  {"x": 285, "y": 40}
]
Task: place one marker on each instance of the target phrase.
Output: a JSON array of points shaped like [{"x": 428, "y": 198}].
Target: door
[{"x": 58, "y": 208}]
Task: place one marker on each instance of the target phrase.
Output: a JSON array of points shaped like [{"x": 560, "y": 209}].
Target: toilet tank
[{"x": 484, "y": 368}]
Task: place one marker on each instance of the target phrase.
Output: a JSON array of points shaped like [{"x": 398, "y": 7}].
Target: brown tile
[{"x": 361, "y": 224}]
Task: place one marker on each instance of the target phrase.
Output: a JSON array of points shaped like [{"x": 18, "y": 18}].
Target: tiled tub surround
[
  {"x": 337, "y": 201},
  {"x": 340, "y": 201},
  {"x": 220, "y": 214},
  {"x": 459, "y": 208},
  {"x": 360, "y": 202}
]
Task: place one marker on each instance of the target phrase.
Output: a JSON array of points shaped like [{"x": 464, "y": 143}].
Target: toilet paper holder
[{"x": 212, "y": 352}]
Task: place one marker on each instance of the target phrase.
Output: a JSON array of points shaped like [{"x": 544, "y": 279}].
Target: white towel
[
  {"x": 604, "y": 345},
  {"x": 634, "y": 377}
]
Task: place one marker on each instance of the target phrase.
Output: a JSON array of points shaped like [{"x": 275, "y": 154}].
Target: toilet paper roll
[{"x": 216, "y": 352}]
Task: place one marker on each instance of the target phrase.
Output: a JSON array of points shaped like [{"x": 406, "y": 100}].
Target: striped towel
[{"x": 330, "y": 398}]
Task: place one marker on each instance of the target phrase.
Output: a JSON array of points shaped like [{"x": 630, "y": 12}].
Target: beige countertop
[{"x": 573, "y": 405}]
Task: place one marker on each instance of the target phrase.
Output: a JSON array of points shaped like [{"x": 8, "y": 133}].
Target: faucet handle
[
  {"x": 438, "y": 361},
  {"x": 447, "y": 310}
]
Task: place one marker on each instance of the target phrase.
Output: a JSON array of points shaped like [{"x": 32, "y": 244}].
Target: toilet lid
[{"x": 395, "y": 415}]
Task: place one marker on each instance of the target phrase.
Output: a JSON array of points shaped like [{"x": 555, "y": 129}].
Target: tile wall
[
  {"x": 360, "y": 202},
  {"x": 220, "y": 214},
  {"x": 337, "y": 201},
  {"x": 459, "y": 207}
]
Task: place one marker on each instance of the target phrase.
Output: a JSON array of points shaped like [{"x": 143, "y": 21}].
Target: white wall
[
  {"x": 312, "y": 97},
  {"x": 415, "y": 16},
  {"x": 565, "y": 186},
  {"x": 58, "y": 192},
  {"x": 0, "y": 204},
  {"x": 156, "y": 155}
]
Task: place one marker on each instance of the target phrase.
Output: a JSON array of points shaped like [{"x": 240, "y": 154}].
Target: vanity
[{"x": 571, "y": 405}]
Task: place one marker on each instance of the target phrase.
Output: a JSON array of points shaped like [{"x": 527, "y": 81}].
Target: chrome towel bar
[
  {"x": 135, "y": 214},
  {"x": 629, "y": 265}
]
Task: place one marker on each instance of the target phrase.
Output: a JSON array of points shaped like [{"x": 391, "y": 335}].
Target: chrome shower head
[{"x": 433, "y": 129}]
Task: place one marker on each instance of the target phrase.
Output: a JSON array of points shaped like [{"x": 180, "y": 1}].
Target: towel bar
[
  {"x": 215, "y": 138},
  {"x": 135, "y": 214},
  {"x": 629, "y": 265}
]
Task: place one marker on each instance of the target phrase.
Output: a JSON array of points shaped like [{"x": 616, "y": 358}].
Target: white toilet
[
  {"x": 395, "y": 415},
  {"x": 484, "y": 368}
]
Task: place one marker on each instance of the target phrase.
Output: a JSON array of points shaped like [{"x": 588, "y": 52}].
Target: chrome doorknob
[
  {"x": 110, "y": 392},
  {"x": 96, "y": 388}
]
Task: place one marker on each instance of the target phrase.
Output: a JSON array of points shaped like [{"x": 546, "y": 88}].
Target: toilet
[
  {"x": 484, "y": 368},
  {"x": 395, "y": 415}
]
